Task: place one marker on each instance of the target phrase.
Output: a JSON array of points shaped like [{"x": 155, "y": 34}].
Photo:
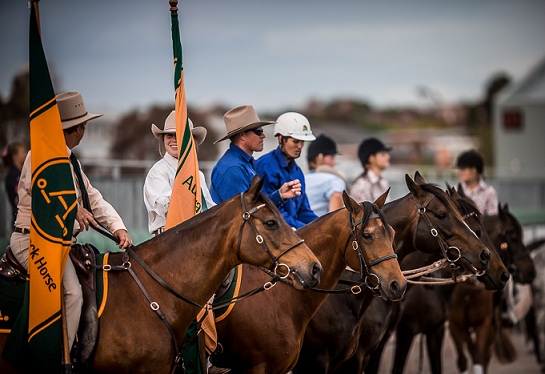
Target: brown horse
[
  {"x": 192, "y": 258},
  {"x": 265, "y": 334},
  {"x": 345, "y": 330},
  {"x": 434, "y": 301},
  {"x": 476, "y": 310}
]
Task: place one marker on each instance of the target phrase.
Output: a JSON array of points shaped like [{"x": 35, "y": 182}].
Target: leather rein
[{"x": 445, "y": 248}]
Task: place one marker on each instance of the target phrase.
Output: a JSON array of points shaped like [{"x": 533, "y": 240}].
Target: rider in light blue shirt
[
  {"x": 279, "y": 166},
  {"x": 234, "y": 171}
]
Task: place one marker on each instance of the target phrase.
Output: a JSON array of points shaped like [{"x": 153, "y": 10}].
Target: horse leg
[
  {"x": 404, "y": 339},
  {"x": 483, "y": 345},
  {"x": 459, "y": 336},
  {"x": 532, "y": 332},
  {"x": 375, "y": 356},
  {"x": 434, "y": 342}
]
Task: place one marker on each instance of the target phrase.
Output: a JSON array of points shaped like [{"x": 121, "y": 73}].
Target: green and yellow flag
[
  {"x": 54, "y": 205},
  {"x": 186, "y": 199}
]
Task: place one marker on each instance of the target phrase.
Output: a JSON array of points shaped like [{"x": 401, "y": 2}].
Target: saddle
[
  {"x": 10, "y": 268},
  {"x": 83, "y": 257}
]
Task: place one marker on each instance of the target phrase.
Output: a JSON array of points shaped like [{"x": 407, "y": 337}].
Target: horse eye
[
  {"x": 366, "y": 236},
  {"x": 441, "y": 215},
  {"x": 271, "y": 224}
]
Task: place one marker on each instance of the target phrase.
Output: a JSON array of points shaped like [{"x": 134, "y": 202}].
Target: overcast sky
[{"x": 276, "y": 54}]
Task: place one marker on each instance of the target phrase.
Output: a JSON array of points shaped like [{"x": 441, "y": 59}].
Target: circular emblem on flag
[{"x": 54, "y": 202}]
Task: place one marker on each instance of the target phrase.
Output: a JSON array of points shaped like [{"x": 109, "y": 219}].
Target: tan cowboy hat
[
  {"x": 240, "y": 119},
  {"x": 199, "y": 133},
  {"x": 72, "y": 110}
]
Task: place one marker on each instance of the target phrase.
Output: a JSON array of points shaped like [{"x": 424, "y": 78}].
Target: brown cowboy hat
[
  {"x": 199, "y": 133},
  {"x": 240, "y": 119},
  {"x": 72, "y": 110}
]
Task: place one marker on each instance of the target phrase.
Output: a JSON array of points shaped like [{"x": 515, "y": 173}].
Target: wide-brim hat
[
  {"x": 199, "y": 132},
  {"x": 72, "y": 110},
  {"x": 240, "y": 119}
]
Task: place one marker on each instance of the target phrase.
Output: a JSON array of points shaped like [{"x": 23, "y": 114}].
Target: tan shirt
[{"x": 101, "y": 209}]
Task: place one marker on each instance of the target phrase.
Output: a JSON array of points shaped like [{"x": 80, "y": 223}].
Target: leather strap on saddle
[
  {"x": 83, "y": 257},
  {"x": 10, "y": 268}
]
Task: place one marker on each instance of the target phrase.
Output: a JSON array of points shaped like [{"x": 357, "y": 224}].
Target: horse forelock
[
  {"x": 382, "y": 216},
  {"x": 468, "y": 206}
]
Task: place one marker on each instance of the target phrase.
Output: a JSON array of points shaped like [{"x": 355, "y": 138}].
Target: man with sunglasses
[
  {"x": 278, "y": 166},
  {"x": 234, "y": 171}
]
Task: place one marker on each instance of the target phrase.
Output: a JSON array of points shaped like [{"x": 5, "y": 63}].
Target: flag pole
[{"x": 66, "y": 363}]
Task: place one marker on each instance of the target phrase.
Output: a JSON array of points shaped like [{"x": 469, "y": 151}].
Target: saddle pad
[
  {"x": 233, "y": 291},
  {"x": 12, "y": 295},
  {"x": 11, "y": 300}
]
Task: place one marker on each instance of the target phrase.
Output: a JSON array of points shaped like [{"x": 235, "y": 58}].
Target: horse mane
[
  {"x": 442, "y": 195},
  {"x": 512, "y": 219}
]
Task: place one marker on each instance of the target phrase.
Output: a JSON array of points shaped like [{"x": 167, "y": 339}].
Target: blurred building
[{"x": 519, "y": 127}]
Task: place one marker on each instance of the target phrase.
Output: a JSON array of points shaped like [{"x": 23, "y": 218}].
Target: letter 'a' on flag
[
  {"x": 54, "y": 206},
  {"x": 186, "y": 199}
]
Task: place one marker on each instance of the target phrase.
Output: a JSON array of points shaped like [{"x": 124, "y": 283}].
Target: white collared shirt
[{"x": 158, "y": 188}]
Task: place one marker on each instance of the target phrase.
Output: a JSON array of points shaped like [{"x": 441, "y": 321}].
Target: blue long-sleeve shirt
[
  {"x": 296, "y": 211},
  {"x": 233, "y": 174}
]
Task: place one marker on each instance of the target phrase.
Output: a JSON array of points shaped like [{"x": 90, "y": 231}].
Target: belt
[
  {"x": 158, "y": 231},
  {"x": 21, "y": 230}
]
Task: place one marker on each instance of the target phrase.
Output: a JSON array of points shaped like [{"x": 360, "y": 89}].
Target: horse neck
[
  {"x": 328, "y": 237},
  {"x": 402, "y": 216},
  {"x": 189, "y": 259}
]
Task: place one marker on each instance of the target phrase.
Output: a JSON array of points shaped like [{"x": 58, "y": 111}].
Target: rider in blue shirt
[
  {"x": 279, "y": 166},
  {"x": 234, "y": 171}
]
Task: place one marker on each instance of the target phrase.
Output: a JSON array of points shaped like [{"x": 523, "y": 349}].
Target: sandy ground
[{"x": 525, "y": 364}]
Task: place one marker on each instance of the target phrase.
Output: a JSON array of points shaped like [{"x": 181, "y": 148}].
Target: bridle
[
  {"x": 370, "y": 211},
  {"x": 445, "y": 248},
  {"x": 127, "y": 266},
  {"x": 275, "y": 264}
]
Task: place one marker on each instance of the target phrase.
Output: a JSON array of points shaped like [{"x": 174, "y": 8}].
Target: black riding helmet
[
  {"x": 324, "y": 145},
  {"x": 369, "y": 147},
  {"x": 470, "y": 159}
]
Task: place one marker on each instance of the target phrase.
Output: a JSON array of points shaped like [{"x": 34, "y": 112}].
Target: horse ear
[
  {"x": 382, "y": 198},
  {"x": 412, "y": 186},
  {"x": 351, "y": 204},
  {"x": 255, "y": 187},
  {"x": 461, "y": 190},
  {"x": 418, "y": 178}
]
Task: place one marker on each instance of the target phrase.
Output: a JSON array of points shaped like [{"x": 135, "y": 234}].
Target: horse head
[
  {"x": 264, "y": 227},
  {"x": 435, "y": 213},
  {"x": 372, "y": 247},
  {"x": 496, "y": 275},
  {"x": 506, "y": 234}
]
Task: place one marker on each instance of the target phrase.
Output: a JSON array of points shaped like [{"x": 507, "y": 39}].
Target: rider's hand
[
  {"x": 124, "y": 238},
  {"x": 85, "y": 219},
  {"x": 290, "y": 189}
]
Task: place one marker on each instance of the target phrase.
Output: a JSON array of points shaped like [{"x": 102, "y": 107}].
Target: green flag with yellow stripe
[
  {"x": 186, "y": 198},
  {"x": 54, "y": 207}
]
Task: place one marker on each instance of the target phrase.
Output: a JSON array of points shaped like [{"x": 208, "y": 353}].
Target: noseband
[
  {"x": 370, "y": 211},
  {"x": 246, "y": 218}
]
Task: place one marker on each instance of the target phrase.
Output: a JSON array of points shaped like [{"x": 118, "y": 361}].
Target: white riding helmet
[{"x": 294, "y": 125}]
